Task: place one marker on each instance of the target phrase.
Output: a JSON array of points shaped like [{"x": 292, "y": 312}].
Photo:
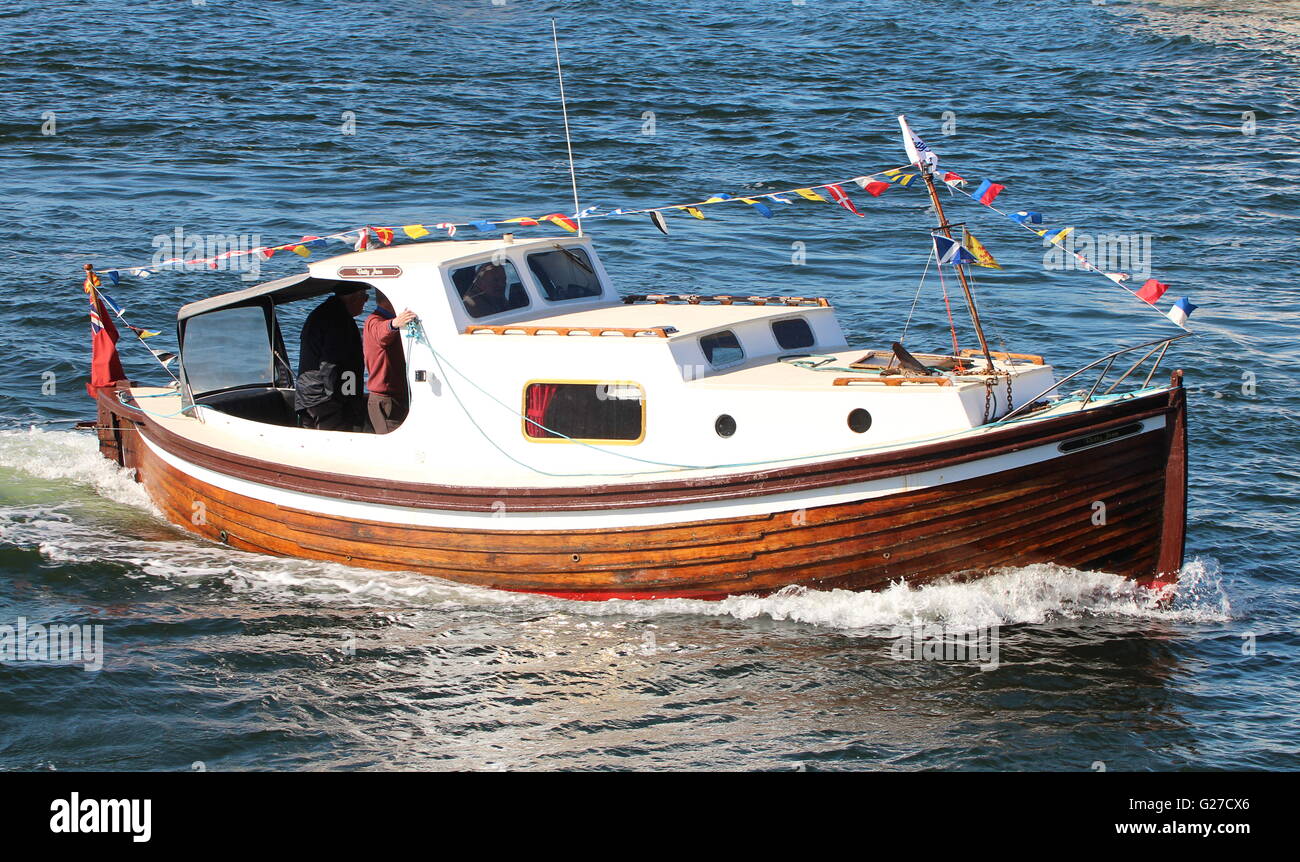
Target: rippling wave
[{"x": 1175, "y": 119}]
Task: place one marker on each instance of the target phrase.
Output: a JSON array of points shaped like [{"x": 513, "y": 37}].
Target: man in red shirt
[{"x": 386, "y": 365}]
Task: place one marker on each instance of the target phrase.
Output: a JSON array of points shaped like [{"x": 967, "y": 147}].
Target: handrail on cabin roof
[{"x": 726, "y": 299}]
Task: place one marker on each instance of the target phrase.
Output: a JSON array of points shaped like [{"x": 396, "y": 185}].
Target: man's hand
[{"x": 402, "y": 319}]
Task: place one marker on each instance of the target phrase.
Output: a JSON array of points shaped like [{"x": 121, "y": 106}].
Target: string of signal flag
[{"x": 966, "y": 251}]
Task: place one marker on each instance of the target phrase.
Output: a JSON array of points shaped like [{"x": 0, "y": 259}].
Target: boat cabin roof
[{"x": 329, "y": 274}]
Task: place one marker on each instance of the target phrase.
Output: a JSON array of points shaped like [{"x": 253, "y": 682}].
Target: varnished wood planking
[
  {"x": 1037, "y": 513},
  {"x": 837, "y": 553}
]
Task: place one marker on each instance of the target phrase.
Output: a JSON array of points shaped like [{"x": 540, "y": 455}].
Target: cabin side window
[
  {"x": 599, "y": 412},
  {"x": 793, "y": 333},
  {"x": 565, "y": 273},
  {"x": 226, "y": 349},
  {"x": 489, "y": 288},
  {"x": 722, "y": 348}
]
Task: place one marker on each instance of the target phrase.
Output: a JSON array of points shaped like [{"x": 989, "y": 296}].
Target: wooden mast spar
[{"x": 926, "y": 169}]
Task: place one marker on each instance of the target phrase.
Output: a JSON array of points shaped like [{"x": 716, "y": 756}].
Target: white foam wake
[
  {"x": 70, "y": 456},
  {"x": 1033, "y": 594}
]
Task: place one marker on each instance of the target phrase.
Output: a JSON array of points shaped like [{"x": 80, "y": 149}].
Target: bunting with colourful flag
[
  {"x": 1182, "y": 310},
  {"x": 1026, "y": 217},
  {"x": 759, "y": 207},
  {"x": 841, "y": 197},
  {"x": 987, "y": 191},
  {"x": 980, "y": 255},
  {"x": 1151, "y": 291},
  {"x": 919, "y": 153},
  {"x": 364, "y": 238},
  {"x": 564, "y": 221},
  {"x": 950, "y": 251}
]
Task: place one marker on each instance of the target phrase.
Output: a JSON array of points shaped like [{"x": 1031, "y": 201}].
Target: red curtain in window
[{"x": 538, "y": 399}]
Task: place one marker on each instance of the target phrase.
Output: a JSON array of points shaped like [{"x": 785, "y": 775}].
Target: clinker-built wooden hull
[{"x": 1026, "y": 493}]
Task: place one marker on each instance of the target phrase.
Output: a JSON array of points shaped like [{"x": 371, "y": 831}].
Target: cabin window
[
  {"x": 722, "y": 348},
  {"x": 489, "y": 288},
  {"x": 566, "y": 273},
  {"x": 227, "y": 348},
  {"x": 610, "y": 411},
  {"x": 793, "y": 333}
]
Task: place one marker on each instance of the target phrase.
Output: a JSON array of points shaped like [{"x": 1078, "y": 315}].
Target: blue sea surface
[{"x": 124, "y": 122}]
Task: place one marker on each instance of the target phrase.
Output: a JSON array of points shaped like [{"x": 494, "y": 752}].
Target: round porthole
[
  {"x": 725, "y": 426},
  {"x": 859, "y": 420}
]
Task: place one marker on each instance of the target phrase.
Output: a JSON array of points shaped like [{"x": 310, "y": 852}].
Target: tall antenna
[{"x": 568, "y": 143}]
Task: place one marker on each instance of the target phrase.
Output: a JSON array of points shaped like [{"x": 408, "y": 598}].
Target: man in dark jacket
[{"x": 331, "y": 362}]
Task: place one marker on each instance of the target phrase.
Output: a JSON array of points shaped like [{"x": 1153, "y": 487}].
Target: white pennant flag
[{"x": 918, "y": 151}]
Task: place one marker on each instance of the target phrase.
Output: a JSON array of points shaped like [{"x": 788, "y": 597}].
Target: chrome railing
[{"x": 1157, "y": 349}]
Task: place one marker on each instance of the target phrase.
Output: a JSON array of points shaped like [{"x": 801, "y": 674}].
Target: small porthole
[
  {"x": 859, "y": 420},
  {"x": 725, "y": 426}
]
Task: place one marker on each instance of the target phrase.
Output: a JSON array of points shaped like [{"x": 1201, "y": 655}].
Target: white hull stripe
[{"x": 501, "y": 518}]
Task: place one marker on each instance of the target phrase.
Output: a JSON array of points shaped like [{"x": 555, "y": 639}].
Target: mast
[
  {"x": 961, "y": 271},
  {"x": 568, "y": 141},
  {"x": 925, "y": 160}
]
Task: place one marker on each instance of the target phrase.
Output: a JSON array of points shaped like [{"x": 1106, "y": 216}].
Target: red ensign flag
[{"x": 105, "y": 367}]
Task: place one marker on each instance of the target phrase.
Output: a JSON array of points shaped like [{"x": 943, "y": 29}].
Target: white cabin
[{"x": 616, "y": 388}]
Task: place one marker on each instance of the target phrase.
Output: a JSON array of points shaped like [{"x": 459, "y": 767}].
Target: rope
[
  {"x": 902, "y": 338},
  {"x": 952, "y": 326},
  {"x": 140, "y": 409}
]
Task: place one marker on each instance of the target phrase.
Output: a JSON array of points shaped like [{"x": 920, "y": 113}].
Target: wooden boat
[{"x": 584, "y": 444}]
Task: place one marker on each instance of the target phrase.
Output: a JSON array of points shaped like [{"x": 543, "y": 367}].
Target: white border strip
[{"x": 502, "y": 518}]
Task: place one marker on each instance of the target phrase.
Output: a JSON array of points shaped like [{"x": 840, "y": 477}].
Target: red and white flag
[{"x": 842, "y": 198}]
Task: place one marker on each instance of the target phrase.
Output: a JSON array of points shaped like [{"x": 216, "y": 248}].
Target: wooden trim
[
  {"x": 892, "y": 380},
  {"x": 1032, "y": 358},
  {"x": 726, "y": 299},
  {"x": 1036, "y": 514},
  {"x": 517, "y": 329}
]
